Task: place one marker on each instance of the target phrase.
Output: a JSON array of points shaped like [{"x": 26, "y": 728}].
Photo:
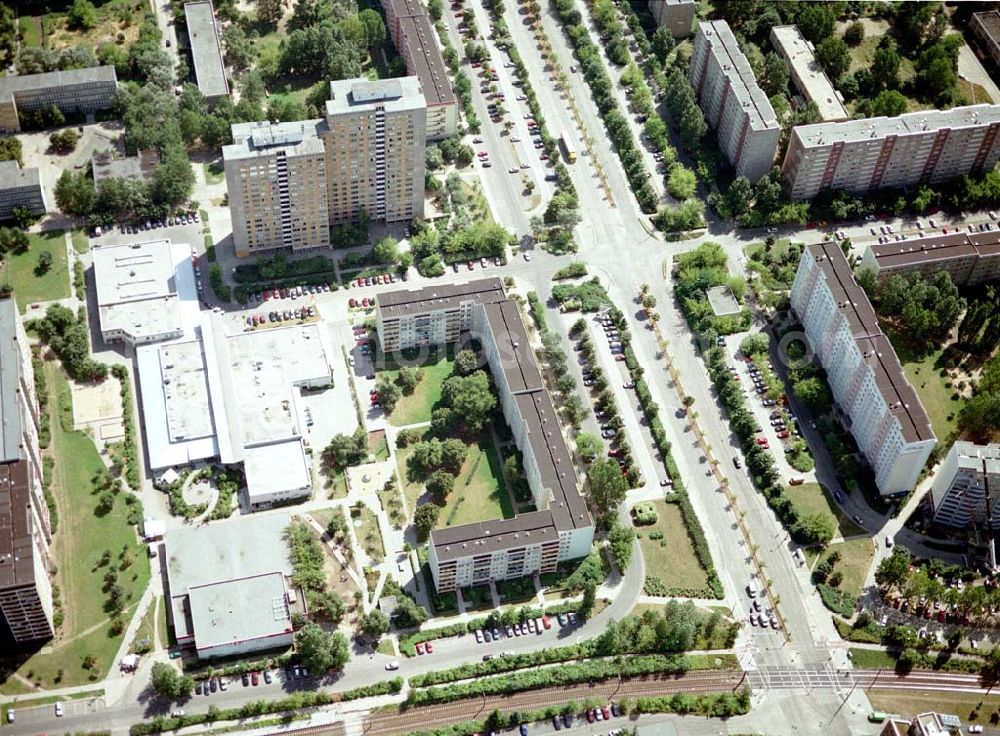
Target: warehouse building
[
  {"x": 206, "y": 50},
  {"x": 925, "y": 147},
  {"x": 20, "y": 188},
  {"x": 807, "y": 75},
  {"x": 882, "y": 411},
  {"x": 968, "y": 475},
  {"x": 735, "y": 107},
  {"x": 72, "y": 91},
  {"x": 25, "y": 531},
  {"x": 969, "y": 258},
  {"x": 498, "y": 549},
  {"x": 229, "y": 586}
]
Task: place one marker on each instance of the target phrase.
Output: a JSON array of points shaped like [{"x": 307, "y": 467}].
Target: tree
[
  {"x": 893, "y": 571},
  {"x": 269, "y": 11},
  {"x": 834, "y": 56},
  {"x": 170, "y": 683},
  {"x": 854, "y": 34},
  {"x": 471, "y": 398},
  {"x": 816, "y": 21},
  {"x": 589, "y": 599},
  {"x": 621, "y": 539},
  {"x": 681, "y": 183},
  {"x": 375, "y": 624},
  {"x": 408, "y": 378},
  {"x": 425, "y": 519},
  {"x": 924, "y": 309},
  {"x": 326, "y": 602},
  {"x": 775, "y": 78},
  {"x": 662, "y": 43},
  {"x": 740, "y": 195},
  {"x": 64, "y": 141},
  {"x": 386, "y": 250},
  {"x": 375, "y": 33},
  {"x": 44, "y": 263},
  {"x": 453, "y": 452},
  {"x": 239, "y": 47},
  {"x": 345, "y": 450},
  {"x": 82, "y": 14},
  {"x": 816, "y": 529},
  {"x": 440, "y": 484},
  {"x": 320, "y": 650},
  {"x": 389, "y": 394},
  {"x": 813, "y": 392},
  {"x": 888, "y": 103},
  {"x": 885, "y": 64},
  {"x": 607, "y": 486},
  {"x": 589, "y": 446},
  {"x": 466, "y": 362},
  {"x": 10, "y": 146},
  {"x": 755, "y": 344}
]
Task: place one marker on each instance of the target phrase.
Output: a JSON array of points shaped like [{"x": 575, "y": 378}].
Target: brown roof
[
  {"x": 423, "y": 57},
  {"x": 854, "y": 305},
  {"x": 486, "y": 537},
  {"x": 17, "y": 566},
  {"x": 439, "y": 296},
  {"x": 936, "y": 248}
]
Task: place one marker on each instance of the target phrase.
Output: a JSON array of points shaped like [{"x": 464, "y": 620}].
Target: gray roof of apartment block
[
  {"x": 21, "y": 82},
  {"x": 13, "y": 176},
  {"x": 911, "y": 123},
  {"x": 853, "y": 304},
  {"x": 10, "y": 384},
  {"x": 442, "y": 296},
  {"x": 737, "y": 69},
  {"x": 206, "y": 51},
  {"x": 428, "y": 64}
]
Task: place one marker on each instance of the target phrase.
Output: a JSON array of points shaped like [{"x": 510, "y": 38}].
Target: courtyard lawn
[
  {"x": 480, "y": 493},
  {"x": 417, "y": 407},
  {"x": 368, "y": 534},
  {"x": 671, "y": 560},
  {"x": 79, "y": 543},
  {"x": 117, "y": 22},
  {"x": 855, "y": 559},
  {"x": 31, "y": 31},
  {"x": 934, "y": 392},
  {"x": 411, "y": 489},
  {"x": 811, "y": 498},
  {"x": 19, "y": 270},
  {"x": 147, "y": 627}
]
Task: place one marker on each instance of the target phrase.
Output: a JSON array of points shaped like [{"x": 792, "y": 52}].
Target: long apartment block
[
  {"x": 20, "y": 188},
  {"x": 807, "y": 75},
  {"x": 677, "y": 16},
  {"x": 969, "y": 258},
  {"x": 206, "y": 50},
  {"x": 25, "y": 530},
  {"x": 72, "y": 91},
  {"x": 879, "y": 406},
  {"x": 289, "y": 183},
  {"x": 925, "y": 147},
  {"x": 966, "y": 478},
  {"x": 413, "y": 34},
  {"x": 733, "y": 103},
  {"x": 561, "y": 528}
]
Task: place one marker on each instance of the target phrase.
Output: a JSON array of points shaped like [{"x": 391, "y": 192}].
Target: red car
[
  {"x": 255, "y": 678},
  {"x": 784, "y": 435},
  {"x": 430, "y": 647},
  {"x": 942, "y": 615},
  {"x": 606, "y": 711},
  {"x": 613, "y": 452},
  {"x": 420, "y": 647},
  {"x": 546, "y": 623},
  {"x": 762, "y": 440},
  {"x": 471, "y": 265},
  {"x": 590, "y": 716},
  {"x": 353, "y": 302},
  {"x": 619, "y": 357}
]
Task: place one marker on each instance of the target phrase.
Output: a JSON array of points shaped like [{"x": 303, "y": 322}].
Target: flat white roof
[
  {"x": 232, "y": 611},
  {"x": 911, "y": 123},
  {"x": 276, "y": 468},
  {"x": 137, "y": 289}
]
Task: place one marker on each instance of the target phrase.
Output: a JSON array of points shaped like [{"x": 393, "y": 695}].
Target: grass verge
[
  {"x": 670, "y": 561},
  {"x": 30, "y": 285}
]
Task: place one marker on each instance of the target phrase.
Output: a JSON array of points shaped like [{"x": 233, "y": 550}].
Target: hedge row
[
  {"x": 505, "y": 664},
  {"x": 569, "y": 674},
  {"x": 696, "y": 533},
  {"x": 298, "y": 701},
  {"x": 600, "y": 84},
  {"x": 132, "y": 475},
  {"x": 715, "y": 705},
  {"x": 408, "y": 642}
]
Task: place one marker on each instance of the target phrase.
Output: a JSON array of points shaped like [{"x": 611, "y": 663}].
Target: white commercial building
[
  {"x": 734, "y": 105},
  {"x": 968, "y": 473},
  {"x": 883, "y": 412},
  {"x": 137, "y": 296},
  {"x": 925, "y": 147},
  {"x": 229, "y": 586},
  {"x": 809, "y": 78}
]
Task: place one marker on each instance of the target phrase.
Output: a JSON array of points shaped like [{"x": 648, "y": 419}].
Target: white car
[
  {"x": 177, "y": 713},
  {"x": 512, "y": 170},
  {"x": 975, "y": 729},
  {"x": 59, "y": 710},
  {"x": 393, "y": 665}
]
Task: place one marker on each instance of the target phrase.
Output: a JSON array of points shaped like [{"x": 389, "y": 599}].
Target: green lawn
[
  {"x": 19, "y": 270},
  {"x": 417, "y": 407},
  {"x": 855, "y": 559},
  {"x": 31, "y": 31},
  {"x": 811, "y": 498},
  {"x": 411, "y": 489},
  {"x": 147, "y": 627},
  {"x": 671, "y": 559},
  {"x": 480, "y": 493},
  {"x": 79, "y": 543},
  {"x": 80, "y": 242},
  {"x": 967, "y": 706},
  {"x": 214, "y": 173},
  {"x": 368, "y": 534},
  {"x": 934, "y": 392}
]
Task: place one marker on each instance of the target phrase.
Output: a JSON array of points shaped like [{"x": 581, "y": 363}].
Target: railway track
[{"x": 424, "y": 717}]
